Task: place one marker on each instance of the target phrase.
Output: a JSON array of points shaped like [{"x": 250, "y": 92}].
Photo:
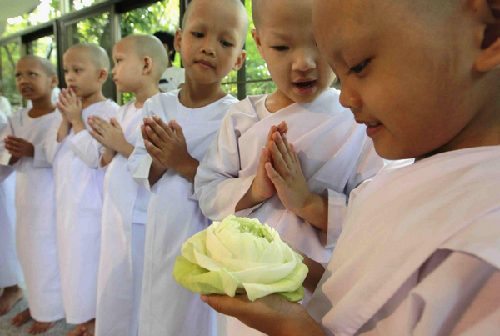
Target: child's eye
[
  {"x": 118, "y": 60},
  {"x": 32, "y": 74},
  {"x": 77, "y": 70},
  {"x": 226, "y": 44},
  {"x": 358, "y": 68},
  {"x": 65, "y": 71},
  {"x": 280, "y": 48},
  {"x": 18, "y": 75},
  {"x": 197, "y": 35}
]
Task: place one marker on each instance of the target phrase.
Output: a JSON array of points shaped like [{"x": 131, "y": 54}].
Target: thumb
[{"x": 114, "y": 122}]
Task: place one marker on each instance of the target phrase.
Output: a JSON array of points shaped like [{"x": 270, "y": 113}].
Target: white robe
[
  {"x": 36, "y": 215},
  {"x": 335, "y": 156},
  {"x": 125, "y": 204},
  {"x": 419, "y": 252},
  {"x": 79, "y": 212},
  {"x": 10, "y": 269},
  {"x": 167, "y": 308}
]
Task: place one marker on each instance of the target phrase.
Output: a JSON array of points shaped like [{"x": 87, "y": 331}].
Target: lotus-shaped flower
[{"x": 240, "y": 255}]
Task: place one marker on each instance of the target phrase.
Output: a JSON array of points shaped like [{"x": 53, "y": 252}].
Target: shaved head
[
  {"x": 45, "y": 64},
  {"x": 241, "y": 11},
  {"x": 150, "y": 46},
  {"x": 98, "y": 55}
]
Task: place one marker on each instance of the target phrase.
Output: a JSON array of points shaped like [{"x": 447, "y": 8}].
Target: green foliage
[{"x": 162, "y": 15}]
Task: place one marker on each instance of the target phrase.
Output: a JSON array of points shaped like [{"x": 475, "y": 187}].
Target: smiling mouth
[{"x": 373, "y": 124}]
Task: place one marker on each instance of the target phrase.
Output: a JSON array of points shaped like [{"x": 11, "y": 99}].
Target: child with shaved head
[
  {"x": 305, "y": 199},
  {"x": 22, "y": 148},
  {"x": 419, "y": 253},
  {"x": 79, "y": 181},
  {"x": 139, "y": 61},
  {"x": 177, "y": 131}
]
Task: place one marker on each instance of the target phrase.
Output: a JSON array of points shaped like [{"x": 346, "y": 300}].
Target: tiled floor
[{"x": 7, "y": 329}]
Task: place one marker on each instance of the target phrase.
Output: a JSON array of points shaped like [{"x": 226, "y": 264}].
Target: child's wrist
[{"x": 254, "y": 196}]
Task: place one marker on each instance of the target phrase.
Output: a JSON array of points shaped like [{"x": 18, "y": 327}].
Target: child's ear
[
  {"x": 256, "y": 38},
  {"x": 489, "y": 55},
  {"x": 54, "y": 81},
  {"x": 147, "y": 65},
  {"x": 178, "y": 40},
  {"x": 103, "y": 75},
  {"x": 240, "y": 60}
]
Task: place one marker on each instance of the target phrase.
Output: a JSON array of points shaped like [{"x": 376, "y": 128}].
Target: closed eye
[
  {"x": 226, "y": 44},
  {"x": 197, "y": 35},
  {"x": 358, "y": 68},
  {"x": 280, "y": 48}
]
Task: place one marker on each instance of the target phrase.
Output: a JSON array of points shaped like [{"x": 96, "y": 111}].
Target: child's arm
[
  {"x": 286, "y": 174},
  {"x": 64, "y": 128},
  {"x": 18, "y": 148},
  {"x": 167, "y": 146},
  {"x": 111, "y": 136},
  {"x": 88, "y": 149}
]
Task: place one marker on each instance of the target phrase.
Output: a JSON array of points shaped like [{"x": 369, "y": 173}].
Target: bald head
[
  {"x": 45, "y": 64},
  {"x": 239, "y": 10},
  {"x": 98, "y": 55},
  {"x": 150, "y": 46}
]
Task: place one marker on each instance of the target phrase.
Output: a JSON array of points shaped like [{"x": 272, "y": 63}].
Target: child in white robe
[
  {"x": 10, "y": 269},
  {"x": 79, "y": 182},
  {"x": 334, "y": 154},
  {"x": 139, "y": 61},
  {"x": 419, "y": 253},
  {"x": 210, "y": 44},
  {"x": 23, "y": 148}
]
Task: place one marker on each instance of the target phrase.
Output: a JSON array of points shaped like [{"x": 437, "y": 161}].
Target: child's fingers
[
  {"x": 96, "y": 136},
  {"x": 164, "y": 135},
  {"x": 283, "y": 127},
  {"x": 270, "y": 134},
  {"x": 153, "y": 151},
  {"x": 178, "y": 129},
  {"x": 279, "y": 163},
  {"x": 153, "y": 137},
  {"x": 273, "y": 175},
  {"x": 280, "y": 144}
]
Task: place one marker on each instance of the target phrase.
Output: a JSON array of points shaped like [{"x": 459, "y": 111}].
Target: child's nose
[
  {"x": 207, "y": 47},
  {"x": 305, "y": 59},
  {"x": 349, "y": 98}
]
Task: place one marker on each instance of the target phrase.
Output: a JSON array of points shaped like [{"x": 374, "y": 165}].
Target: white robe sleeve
[
  {"x": 217, "y": 185},
  {"x": 5, "y": 168},
  {"x": 460, "y": 297},
  {"x": 367, "y": 166},
  {"x": 6, "y": 127},
  {"x": 46, "y": 150},
  {"x": 88, "y": 149},
  {"x": 139, "y": 162}
]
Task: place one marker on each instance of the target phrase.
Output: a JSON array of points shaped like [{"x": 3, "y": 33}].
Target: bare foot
[
  {"x": 89, "y": 328},
  {"x": 22, "y": 318},
  {"x": 40, "y": 327},
  {"x": 78, "y": 331},
  {"x": 10, "y": 296}
]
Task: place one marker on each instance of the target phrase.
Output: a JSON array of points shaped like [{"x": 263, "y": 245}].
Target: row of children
[{"x": 416, "y": 253}]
